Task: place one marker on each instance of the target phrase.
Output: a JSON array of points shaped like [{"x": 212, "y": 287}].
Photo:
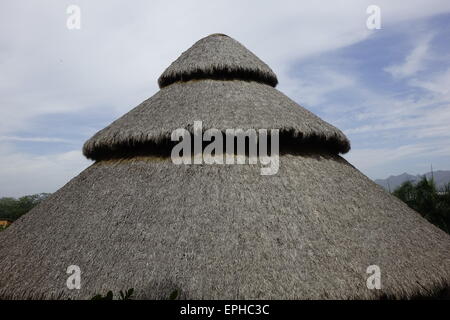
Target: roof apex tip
[
  {"x": 219, "y": 35},
  {"x": 218, "y": 56}
]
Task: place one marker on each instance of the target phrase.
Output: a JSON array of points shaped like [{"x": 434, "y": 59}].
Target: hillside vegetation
[
  {"x": 12, "y": 208},
  {"x": 425, "y": 198}
]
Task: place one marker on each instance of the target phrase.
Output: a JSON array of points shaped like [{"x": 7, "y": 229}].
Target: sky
[{"x": 387, "y": 89}]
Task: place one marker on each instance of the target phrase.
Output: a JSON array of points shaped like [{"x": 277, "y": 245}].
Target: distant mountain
[{"x": 441, "y": 178}]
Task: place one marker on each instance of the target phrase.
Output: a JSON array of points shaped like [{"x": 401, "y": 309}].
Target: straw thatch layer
[
  {"x": 223, "y": 232},
  {"x": 218, "y": 57},
  {"x": 218, "y": 104}
]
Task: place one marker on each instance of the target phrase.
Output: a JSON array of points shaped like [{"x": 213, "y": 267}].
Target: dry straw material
[
  {"x": 218, "y": 104},
  {"x": 134, "y": 219},
  {"x": 218, "y": 57}
]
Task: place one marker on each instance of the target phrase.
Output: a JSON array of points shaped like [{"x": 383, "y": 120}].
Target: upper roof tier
[{"x": 218, "y": 56}]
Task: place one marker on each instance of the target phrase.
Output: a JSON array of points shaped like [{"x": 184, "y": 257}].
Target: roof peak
[
  {"x": 218, "y": 35},
  {"x": 218, "y": 56}
]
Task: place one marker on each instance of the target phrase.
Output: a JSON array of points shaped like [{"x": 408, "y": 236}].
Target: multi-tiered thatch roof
[{"x": 136, "y": 220}]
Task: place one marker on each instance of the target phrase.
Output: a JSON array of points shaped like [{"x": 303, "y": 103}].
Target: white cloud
[
  {"x": 414, "y": 62},
  {"x": 425, "y": 116},
  {"x": 33, "y": 139},
  {"x": 421, "y": 121},
  {"x": 374, "y": 161},
  {"x": 414, "y": 130},
  {"x": 22, "y": 173},
  {"x": 439, "y": 84},
  {"x": 312, "y": 86}
]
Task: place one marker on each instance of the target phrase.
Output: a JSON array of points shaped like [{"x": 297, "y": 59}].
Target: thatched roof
[
  {"x": 136, "y": 220},
  {"x": 218, "y": 57},
  {"x": 218, "y": 104}
]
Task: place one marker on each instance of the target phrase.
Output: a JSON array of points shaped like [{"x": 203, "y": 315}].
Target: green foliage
[
  {"x": 12, "y": 209},
  {"x": 174, "y": 294},
  {"x": 126, "y": 295},
  {"x": 123, "y": 295},
  {"x": 432, "y": 204},
  {"x": 107, "y": 296}
]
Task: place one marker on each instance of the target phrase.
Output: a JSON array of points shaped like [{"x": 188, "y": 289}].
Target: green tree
[
  {"x": 12, "y": 209},
  {"x": 406, "y": 193},
  {"x": 424, "y": 197}
]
